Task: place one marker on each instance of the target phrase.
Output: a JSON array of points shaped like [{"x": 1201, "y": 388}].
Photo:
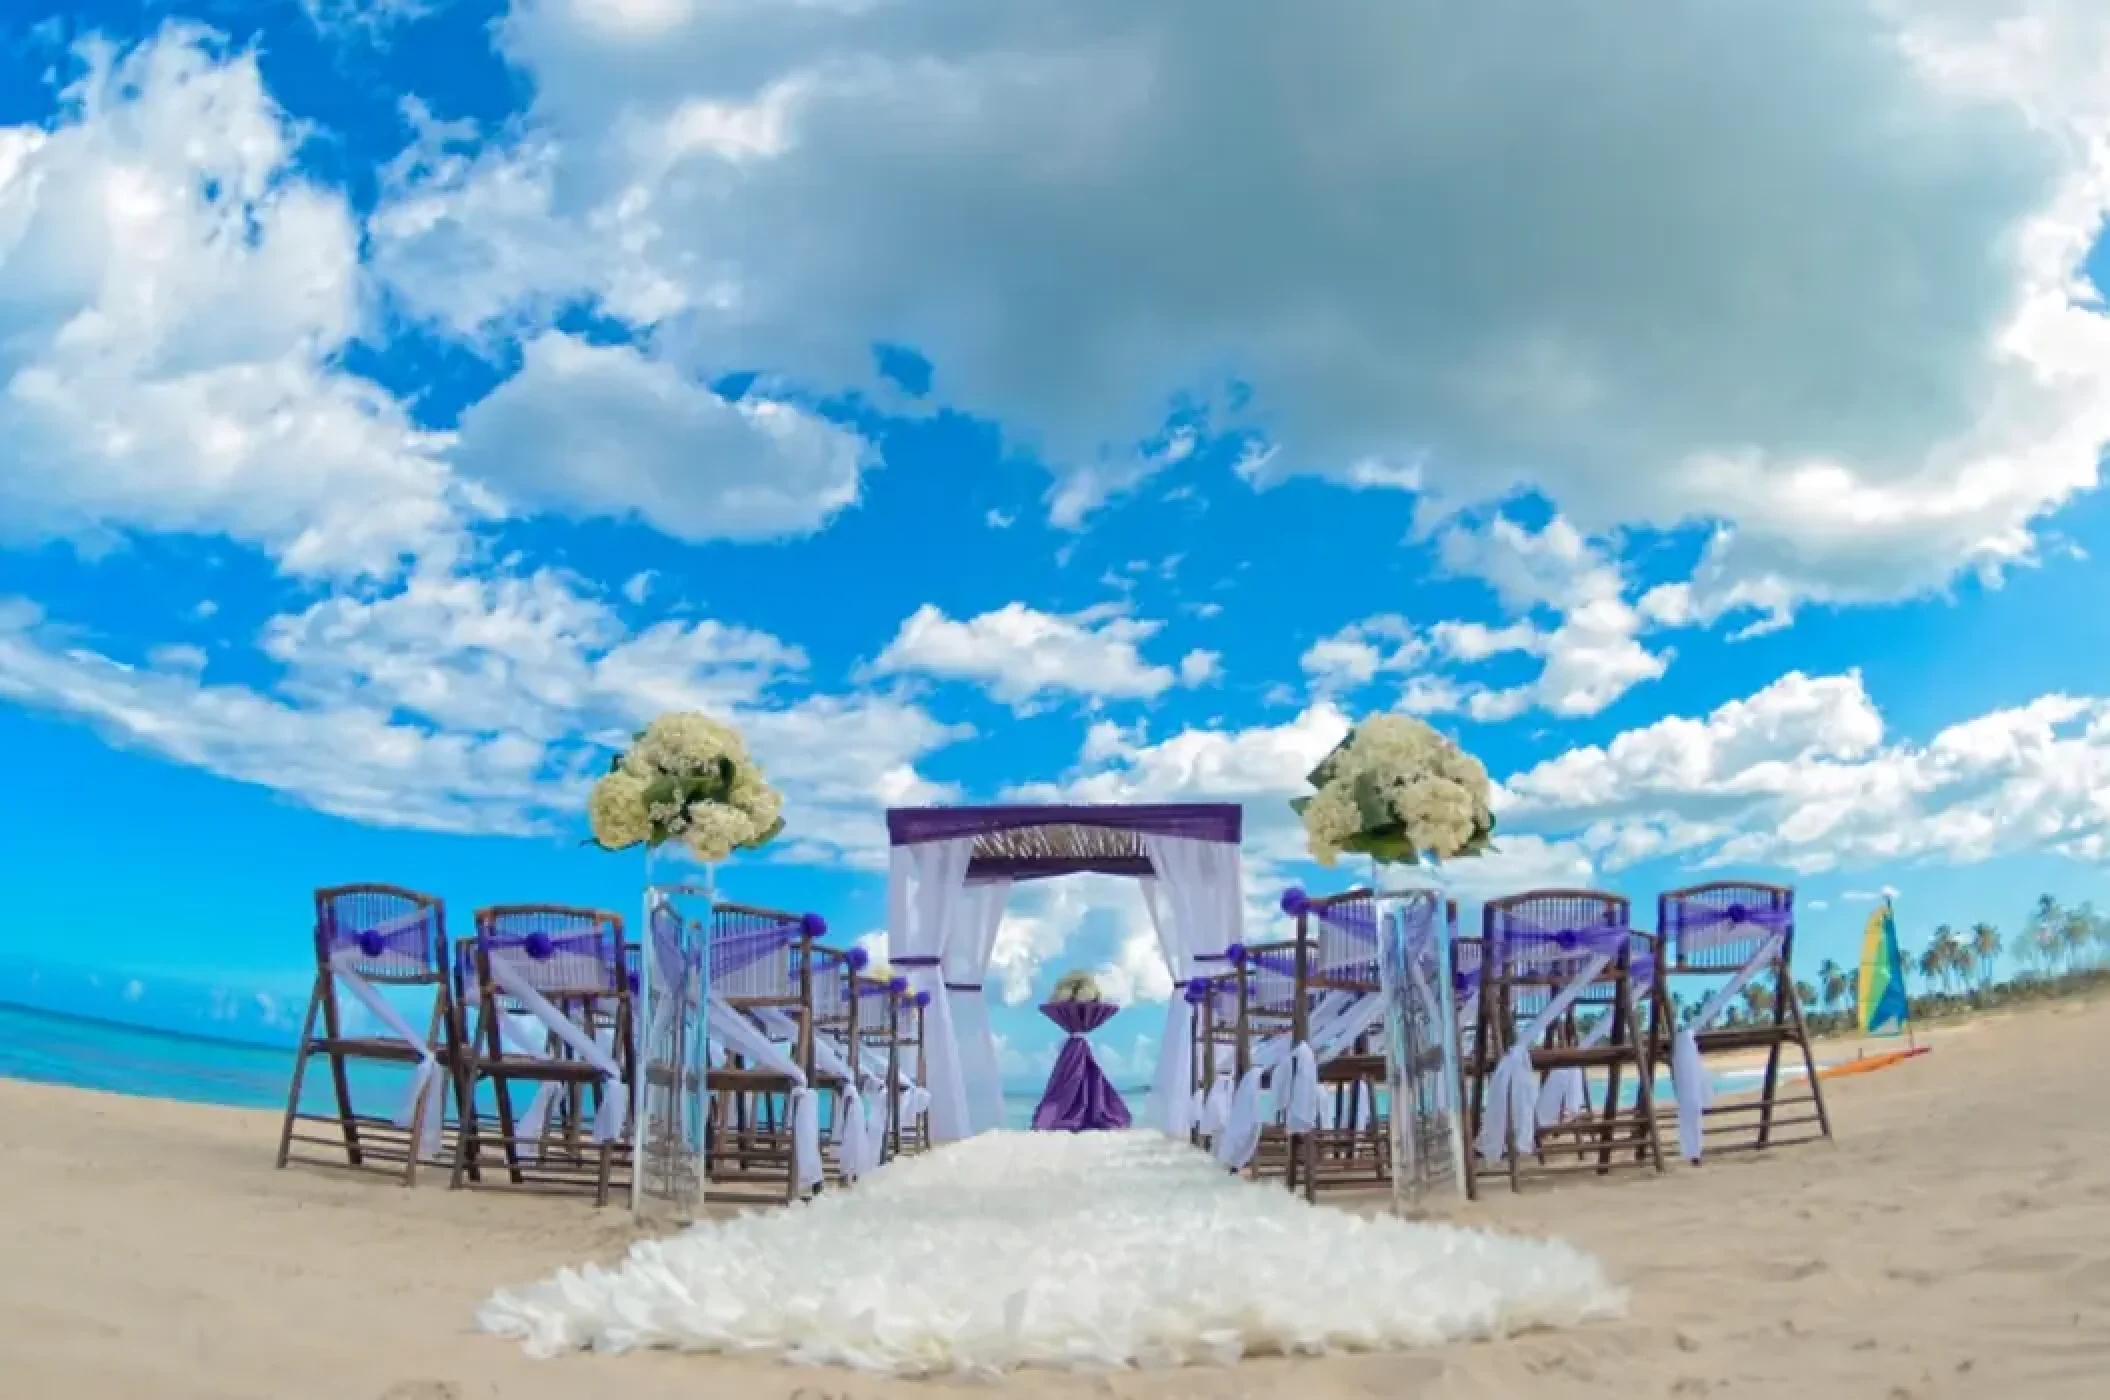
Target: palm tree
[
  {"x": 1985, "y": 947},
  {"x": 1758, "y": 999},
  {"x": 2041, "y": 936},
  {"x": 2075, "y": 932},
  {"x": 1835, "y": 985},
  {"x": 1950, "y": 958}
]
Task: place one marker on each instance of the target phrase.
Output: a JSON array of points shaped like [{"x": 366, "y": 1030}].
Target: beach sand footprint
[{"x": 423, "y": 1390}]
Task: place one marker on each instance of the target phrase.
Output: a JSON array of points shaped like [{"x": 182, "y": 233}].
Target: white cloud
[
  {"x": 1591, "y": 656},
  {"x": 473, "y": 704},
  {"x": 175, "y": 298},
  {"x": 1361, "y": 652},
  {"x": 638, "y": 587},
  {"x": 1800, "y": 775},
  {"x": 1024, "y": 656},
  {"x": 134, "y": 990},
  {"x": 1870, "y": 398},
  {"x": 1137, "y": 971},
  {"x": 606, "y": 430}
]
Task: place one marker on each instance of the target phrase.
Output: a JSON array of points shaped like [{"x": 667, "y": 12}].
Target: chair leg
[
  {"x": 338, "y": 1079},
  {"x": 1809, "y": 1066},
  {"x": 300, "y": 1072}
]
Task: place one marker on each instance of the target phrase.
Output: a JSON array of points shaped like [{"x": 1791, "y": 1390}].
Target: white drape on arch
[
  {"x": 926, "y": 886},
  {"x": 968, "y": 948},
  {"x": 1194, "y": 905}
]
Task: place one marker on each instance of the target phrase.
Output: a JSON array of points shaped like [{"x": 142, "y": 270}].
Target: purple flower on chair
[
  {"x": 372, "y": 944},
  {"x": 538, "y": 946},
  {"x": 1736, "y": 913},
  {"x": 1197, "y": 992},
  {"x": 1235, "y": 955},
  {"x": 859, "y": 958},
  {"x": 1295, "y": 902},
  {"x": 813, "y": 926},
  {"x": 897, "y": 985}
]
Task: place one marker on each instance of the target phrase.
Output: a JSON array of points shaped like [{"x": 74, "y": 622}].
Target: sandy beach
[{"x": 1955, "y": 1241}]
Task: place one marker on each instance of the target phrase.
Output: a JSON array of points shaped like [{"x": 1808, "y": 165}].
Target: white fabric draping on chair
[
  {"x": 747, "y": 1038},
  {"x": 926, "y": 885},
  {"x": 967, "y": 951},
  {"x": 1200, "y": 888}
]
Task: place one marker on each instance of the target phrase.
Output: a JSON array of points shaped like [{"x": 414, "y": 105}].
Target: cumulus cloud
[
  {"x": 606, "y": 430},
  {"x": 1697, "y": 292},
  {"x": 1024, "y": 656},
  {"x": 175, "y": 301},
  {"x": 456, "y": 703}
]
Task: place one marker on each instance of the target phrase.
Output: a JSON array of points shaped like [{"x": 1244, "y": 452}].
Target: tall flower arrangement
[
  {"x": 686, "y": 778},
  {"x": 1395, "y": 790}
]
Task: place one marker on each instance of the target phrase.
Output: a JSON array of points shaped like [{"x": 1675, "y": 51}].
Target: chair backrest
[
  {"x": 1536, "y": 943},
  {"x": 835, "y": 989},
  {"x": 1717, "y": 928},
  {"x": 558, "y": 951},
  {"x": 760, "y": 957},
  {"x": 1340, "y": 934},
  {"x": 382, "y": 933}
]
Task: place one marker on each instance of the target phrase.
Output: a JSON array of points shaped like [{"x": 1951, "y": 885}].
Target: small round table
[{"x": 1079, "y": 1097}]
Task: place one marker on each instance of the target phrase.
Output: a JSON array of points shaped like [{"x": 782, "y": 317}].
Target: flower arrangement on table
[
  {"x": 686, "y": 778},
  {"x": 1395, "y": 790},
  {"x": 1075, "y": 986}
]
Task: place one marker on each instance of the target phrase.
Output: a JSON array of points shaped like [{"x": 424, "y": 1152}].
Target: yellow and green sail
[{"x": 1882, "y": 986}]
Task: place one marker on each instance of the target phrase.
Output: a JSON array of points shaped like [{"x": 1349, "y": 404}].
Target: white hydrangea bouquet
[
  {"x": 1075, "y": 986},
  {"x": 1395, "y": 790},
  {"x": 685, "y": 778}
]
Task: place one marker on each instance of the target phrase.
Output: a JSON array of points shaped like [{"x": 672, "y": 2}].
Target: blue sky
[{"x": 403, "y": 399}]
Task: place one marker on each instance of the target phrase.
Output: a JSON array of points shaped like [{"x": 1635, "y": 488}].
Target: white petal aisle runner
[{"x": 1083, "y": 1250}]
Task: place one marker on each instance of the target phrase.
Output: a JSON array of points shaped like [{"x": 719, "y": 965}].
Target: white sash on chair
[
  {"x": 744, "y": 1037},
  {"x": 1512, "y": 1094},
  {"x": 614, "y": 1113},
  {"x": 425, "y": 1108},
  {"x": 1688, "y": 1074}
]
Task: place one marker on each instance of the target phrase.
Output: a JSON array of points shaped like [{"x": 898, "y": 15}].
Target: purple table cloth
[{"x": 1079, "y": 1097}]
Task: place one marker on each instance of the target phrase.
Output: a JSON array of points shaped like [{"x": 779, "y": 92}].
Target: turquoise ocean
[{"x": 77, "y": 1052}]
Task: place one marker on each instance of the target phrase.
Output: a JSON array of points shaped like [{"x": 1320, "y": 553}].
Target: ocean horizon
[{"x": 87, "y": 1052}]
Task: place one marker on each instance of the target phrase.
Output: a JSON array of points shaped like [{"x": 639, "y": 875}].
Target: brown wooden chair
[
  {"x": 368, "y": 939},
  {"x": 763, "y": 1072},
  {"x": 1739, "y": 938},
  {"x": 553, "y": 1012},
  {"x": 1545, "y": 951}
]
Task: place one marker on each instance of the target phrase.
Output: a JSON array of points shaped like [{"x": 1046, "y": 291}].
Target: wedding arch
[{"x": 950, "y": 873}]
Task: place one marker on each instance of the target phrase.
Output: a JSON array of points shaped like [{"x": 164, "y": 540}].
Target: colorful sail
[{"x": 1882, "y": 985}]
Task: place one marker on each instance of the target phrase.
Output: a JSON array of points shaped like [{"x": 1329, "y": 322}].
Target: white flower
[
  {"x": 1075, "y": 986},
  {"x": 616, "y": 811},
  {"x": 1433, "y": 789},
  {"x": 715, "y": 829}
]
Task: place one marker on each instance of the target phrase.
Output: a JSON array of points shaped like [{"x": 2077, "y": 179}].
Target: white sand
[{"x": 1954, "y": 1242}]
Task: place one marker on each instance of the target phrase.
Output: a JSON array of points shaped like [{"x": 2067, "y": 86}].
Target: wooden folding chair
[
  {"x": 763, "y": 1140},
  {"x": 553, "y": 1012},
  {"x": 1545, "y": 951},
  {"x": 1739, "y": 936},
  {"x": 368, "y": 938}
]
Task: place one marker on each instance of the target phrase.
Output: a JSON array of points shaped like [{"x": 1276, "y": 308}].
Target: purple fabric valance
[{"x": 1201, "y": 821}]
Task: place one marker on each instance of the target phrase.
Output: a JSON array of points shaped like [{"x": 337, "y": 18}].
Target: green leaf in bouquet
[
  {"x": 1371, "y": 808},
  {"x": 1389, "y": 847},
  {"x": 1298, "y": 804},
  {"x": 1323, "y": 774}
]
